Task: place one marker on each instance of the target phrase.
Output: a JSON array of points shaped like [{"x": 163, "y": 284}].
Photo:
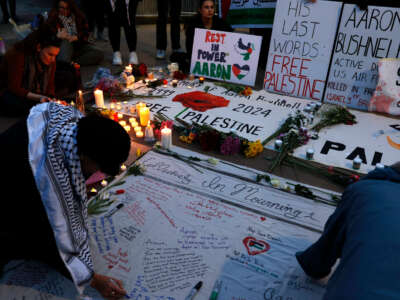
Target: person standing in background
[
  {"x": 122, "y": 13},
  {"x": 175, "y": 13},
  {"x": 6, "y": 14},
  {"x": 94, "y": 11}
]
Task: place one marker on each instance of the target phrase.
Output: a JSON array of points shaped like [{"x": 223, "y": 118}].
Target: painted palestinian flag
[{"x": 240, "y": 71}]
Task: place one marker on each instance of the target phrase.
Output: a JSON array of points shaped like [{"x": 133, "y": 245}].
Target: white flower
[
  {"x": 275, "y": 183},
  {"x": 213, "y": 161}
]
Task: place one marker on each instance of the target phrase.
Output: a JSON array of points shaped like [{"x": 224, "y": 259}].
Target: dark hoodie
[{"x": 364, "y": 232}]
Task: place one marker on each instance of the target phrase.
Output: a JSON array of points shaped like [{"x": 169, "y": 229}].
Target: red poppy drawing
[{"x": 201, "y": 101}]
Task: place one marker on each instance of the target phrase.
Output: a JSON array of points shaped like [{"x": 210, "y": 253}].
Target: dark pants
[
  {"x": 4, "y": 8},
  {"x": 25, "y": 231},
  {"x": 81, "y": 53},
  {"x": 94, "y": 10},
  {"x": 118, "y": 18},
  {"x": 175, "y": 12}
]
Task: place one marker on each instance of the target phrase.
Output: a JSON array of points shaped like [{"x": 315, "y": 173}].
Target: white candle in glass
[
  {"x": 99, "y": 99},
  {"x": 149, "y": 134},
  {"x": 166, "y": 138}
]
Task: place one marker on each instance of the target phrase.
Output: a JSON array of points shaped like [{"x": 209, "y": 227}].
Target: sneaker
[
  {"x": 133, "y": 59},
  {"x": 102, "y": 37},
  {"x": 160, "y": 54},
  {"x": 117, "y": 60}
]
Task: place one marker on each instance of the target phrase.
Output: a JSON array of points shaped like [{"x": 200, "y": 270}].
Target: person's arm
[{"x": 318, "y": 260}]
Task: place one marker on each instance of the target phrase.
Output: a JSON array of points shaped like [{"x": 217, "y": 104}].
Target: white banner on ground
[
  {"x": 174, "y": 231},
  {"x": 301, "y": 47},
  {"x": 364, "y": 37},
  {"x": 225, "y": 56}
]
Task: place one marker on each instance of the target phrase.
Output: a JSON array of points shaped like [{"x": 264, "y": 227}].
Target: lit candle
[
  {"x": 310, "y": 154},
  {"x": 122, "y": 123},
  {"x": 357, "y": 163},
  {"x": 144, "y": 114},
  {"x": 278, "y": 144},
  {"x": 120, "y": 116},
  {"x": 132, "y": 109},
  {"x": 139, "y": 105},
  {"x": 127, "y": 128},
  {"x": 134, "y": 124},
  {"x": 137, "y": 128},
  {"x": 123, "y": 167},
  {"x": 112, "y": 105},
  {"x": 132, "y": 120},
  {"x": 149, "y": 134},
  {"x": 93, "y": 190},
  {"x": 119, "y": 107},
  {"x": 139, "y": 134},
  {"x": 80, "y": 103},
  {"x": 104, "y": 182},
  {"x": 72, "y": 103},
  {"x": 166, "y": 138},
  {"x": 128, "y": 70},
  {"x": 201, "y": 79},
  {"x": 99, "y": 99},
  {"x": 150, "y": 75}
]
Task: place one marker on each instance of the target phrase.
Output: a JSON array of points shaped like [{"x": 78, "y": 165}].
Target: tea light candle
[
  {"x": 72, "y": 103},
  {"x": 201, "y": 79},
  {"x": 139, "y": 134},
  {"x": 128, "y": 69},
  {"x": 122, "y": 123},
  {"x": 120, "y": 116},
  {"x": 127, "y": 128},
  {"x": 150, "y": 75},
  {"x": 93, "y": 190},
  {"x": 119, "y": 107},
  {"x": 139, "y": 105},
  {"x": 166, "y": 138},
  {"x": 278, "y": 144},
  {"x": 99, "y": 99},
  {"x": 144, "y": 114},
  {"x": 134, "y": 124},
  {"x": 104, "y": 182},
  {"x": 310, "y": 154},
  {"x": 137, "y": 128},
  {"x": 123, "y": 167},
  {"x": 132, "y": 120},
  {"x": 357, "y": 163},
  {"x": 174, "y": 83},
  {"x": 149, "y": 134},
  {"x": 112, "y": 106},
  {"x": 380, "y": 166}
]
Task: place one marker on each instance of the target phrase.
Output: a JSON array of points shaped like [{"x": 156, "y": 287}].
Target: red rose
[{"x": 119, "y": 192}]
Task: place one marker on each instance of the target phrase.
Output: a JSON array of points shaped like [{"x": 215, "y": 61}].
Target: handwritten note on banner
[
  {"x": 301, "y": 47},
  {"x": 174, "y": 232},
  {"x": 364, "y": 37},
  {"x": 248, "y": 14},
  {"x": 225, "y": 56}
]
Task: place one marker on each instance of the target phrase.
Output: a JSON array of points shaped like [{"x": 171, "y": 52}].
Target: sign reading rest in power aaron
[
  {"x": 225, "y": 56},
  {"x": 301, "y": 47}
]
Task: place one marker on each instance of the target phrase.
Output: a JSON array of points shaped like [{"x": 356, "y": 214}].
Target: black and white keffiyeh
[
  {"x": 57, "y": 170},
  {"x": 69, "y": 24}
]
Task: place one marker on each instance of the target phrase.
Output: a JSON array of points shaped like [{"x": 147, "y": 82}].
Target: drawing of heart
[
  {"x": 254, "y": 246},
  {"x": 240, "y": 71}
]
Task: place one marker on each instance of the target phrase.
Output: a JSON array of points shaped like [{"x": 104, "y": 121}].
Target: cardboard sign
[
  {"x": 364, "y": 37},
  {"x": 301, "y": 47},
  {"x": 225, "y": 56},
  {"x": 248, "y": 14}
]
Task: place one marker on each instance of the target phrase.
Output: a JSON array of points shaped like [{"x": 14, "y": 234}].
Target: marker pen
[
  {"x": 194, "y": 291},
  {"x": 111, "y": 212},
  {"x": 216, "y": 290}
]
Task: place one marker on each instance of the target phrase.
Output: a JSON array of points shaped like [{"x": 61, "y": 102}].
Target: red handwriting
[
  {"x": 215, "y": 37},
  {"x": 119, "y": 260},
  {"x": 287, "y": 76},
  {"x": 162, "y": 211},
  {"x": 136, "y": 212}
]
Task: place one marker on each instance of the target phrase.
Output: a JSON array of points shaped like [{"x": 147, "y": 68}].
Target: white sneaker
[
  {"x": 160, "y": 54},
  {"x": 117, "y": 60},
  {"x": 133, "y": 59}
]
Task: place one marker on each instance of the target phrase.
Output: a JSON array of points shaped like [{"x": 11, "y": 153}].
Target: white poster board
[
  {"x": 364, "y": 37},
  {"x": 301, "y": 47},
  {"x": 225, "y": 56}
]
